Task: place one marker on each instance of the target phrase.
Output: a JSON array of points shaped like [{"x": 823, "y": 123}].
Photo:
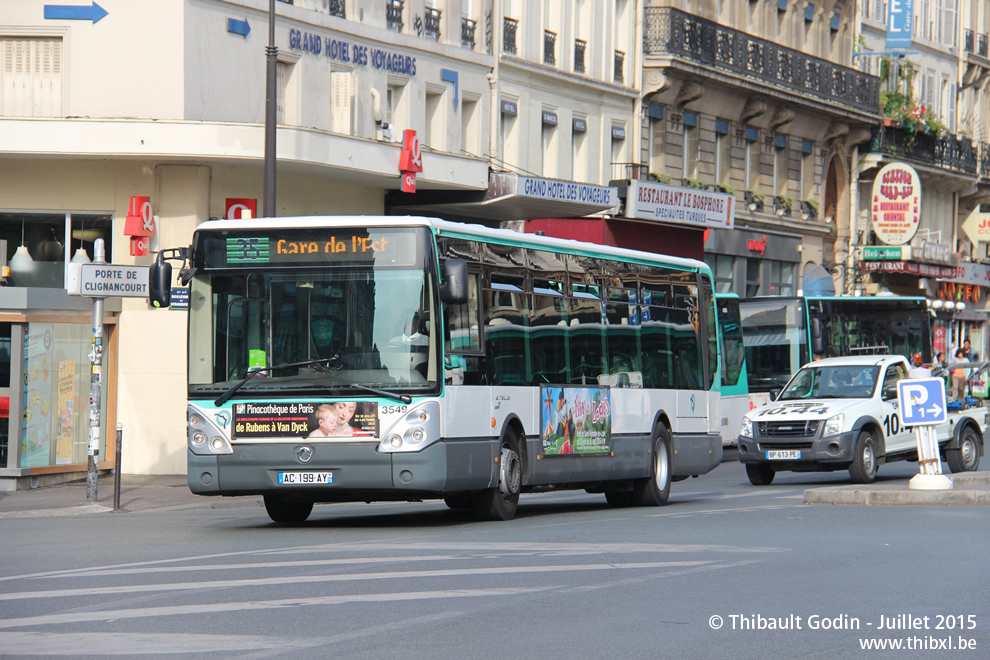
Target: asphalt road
[{"x": 704, "y": 577}]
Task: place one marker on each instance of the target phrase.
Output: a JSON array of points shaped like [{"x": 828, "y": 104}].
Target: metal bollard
[{"x": 116, "y": 469}]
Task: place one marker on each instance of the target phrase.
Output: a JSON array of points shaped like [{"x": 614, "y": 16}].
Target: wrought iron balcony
[
  {"x": 509, "y": 28},
  {"x": 981, "y": 45},
  {"x": 337, "y": 8},
  {"x": 549, "y": 48},
  {"x": 984, "y": 160},
  {"x": 672, "y": 32},
  {"x": 580, "y": 46},
  {"x": 948, "y": 152},
  {"x": 620, "y": 66},
  {"x": 969, "y": 41},
  {"x": 467, "y": 32},
  {"x": 393, "y": 14},
  {"x": 431, "y": 24}
]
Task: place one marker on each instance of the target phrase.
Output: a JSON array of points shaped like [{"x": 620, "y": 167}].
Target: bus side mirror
[
  {"x": 160, "y": 283},
  {"x": 774, "y": 394},
  {"x": 453, "y": 290},
  {"x": 817, "y": 341}
]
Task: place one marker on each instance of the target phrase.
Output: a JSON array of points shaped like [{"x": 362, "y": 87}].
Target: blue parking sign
[{"x": 921, "y": 401}]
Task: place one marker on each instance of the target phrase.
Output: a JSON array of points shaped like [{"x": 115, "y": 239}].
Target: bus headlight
[
  {"x": 205, "y": 437},
  {"x": 746, "y": 430},
  {"x": 833, "y": 425},
  {"x": 414, "y": 431}
]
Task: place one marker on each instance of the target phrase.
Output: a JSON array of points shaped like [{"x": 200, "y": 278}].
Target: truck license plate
[
  {"x": 305, "y": 478},
  {"x": 784, "y": 455}
]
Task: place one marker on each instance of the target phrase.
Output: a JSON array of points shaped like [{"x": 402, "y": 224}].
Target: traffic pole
[
  {"x": 95, "y": 384},
  {"x": 116, "y": 469}
]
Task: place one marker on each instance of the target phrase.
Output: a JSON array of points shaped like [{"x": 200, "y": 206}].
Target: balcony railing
[
  {"x": 467, "y": 32},
  {"x": 580, "y": 46},
  {"x": 969, "y": 41},
  {"x": 393, "y": 14},
  {"x": 549, "y": 48},
  {"x": 337, "y": 8},
  {"x": 431, "y": 24},
  {"x": 673, "y": 32},
  {"x": 620, "y": 66},
  {"x": 509, "y": 28},
  {"x": 984, "y": 167},
  {"x": 981, "y": 45},
  {"x": 959, "y": 155}
]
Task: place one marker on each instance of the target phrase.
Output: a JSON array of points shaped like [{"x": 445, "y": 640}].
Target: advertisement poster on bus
[
  {"x": 342, "y": 419},
  {"x": 576, "y": 420}
]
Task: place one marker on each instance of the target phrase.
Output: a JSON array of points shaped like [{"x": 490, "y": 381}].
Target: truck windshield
[
  {"x": 836, "y": 382},
  {"x": 357, "y": 325}
]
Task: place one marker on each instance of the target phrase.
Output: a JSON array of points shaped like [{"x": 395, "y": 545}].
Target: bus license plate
[
  {"x": 305, "y": 478},
  {"x": 784, "y": 455}
]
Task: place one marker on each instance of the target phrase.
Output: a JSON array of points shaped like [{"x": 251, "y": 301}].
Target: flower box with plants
[{"x": 754, "y": 199}]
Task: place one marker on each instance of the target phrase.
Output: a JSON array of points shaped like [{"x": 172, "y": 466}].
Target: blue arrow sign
[
  {"x": 75, "y": 12},
  {"x": 922, "y": 401},
  {"x": 238, "y": 27}
]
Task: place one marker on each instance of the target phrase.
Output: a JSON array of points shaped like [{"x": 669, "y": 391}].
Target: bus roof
[{"x": 458, "y": 230}]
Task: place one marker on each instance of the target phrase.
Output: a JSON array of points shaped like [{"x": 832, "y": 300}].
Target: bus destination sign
[{"x": 345, "y": 248}]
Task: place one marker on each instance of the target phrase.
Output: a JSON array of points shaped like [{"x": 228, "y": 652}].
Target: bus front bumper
[{"x": 356, "y": 472}]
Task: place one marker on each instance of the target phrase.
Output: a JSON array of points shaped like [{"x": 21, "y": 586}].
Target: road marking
[
  {"x": 747, "y": 509},
  {"x": 254, "y": 605},
  {"x": 314, "y": 579}
]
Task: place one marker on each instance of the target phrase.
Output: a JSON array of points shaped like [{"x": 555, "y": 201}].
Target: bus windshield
[
  {"x": 838, "y": 382},
  {"x": 365, "y": 322}
]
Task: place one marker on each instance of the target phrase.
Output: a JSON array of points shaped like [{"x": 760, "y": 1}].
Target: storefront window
[
  {"x": 55, "y": 395},
  {"x": 36, "y": 244},
  {"x": 721, "y": 266},
  {"x": 752, "y": 277},
  {"x": 781, "y": 278}
]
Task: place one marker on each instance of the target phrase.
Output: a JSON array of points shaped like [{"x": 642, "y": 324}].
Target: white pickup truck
[{"x": 842, "y": 414}]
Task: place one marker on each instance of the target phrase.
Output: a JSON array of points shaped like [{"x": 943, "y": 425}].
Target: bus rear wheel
[
  {"x": 655, "y": 489},
  {"x": 760, "y": 474},
  {"x": 501, "y": 502},
  {"x": 282, "y": 510}
]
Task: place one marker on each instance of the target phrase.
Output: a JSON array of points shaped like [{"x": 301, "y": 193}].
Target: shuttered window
[{"x": 31, "y": 77}]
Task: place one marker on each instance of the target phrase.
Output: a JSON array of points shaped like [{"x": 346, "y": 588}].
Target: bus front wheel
[
  {"x": 501, "y": 502},
  {"x": 282, "y": 510},
  {"x": 655, "y": 489}
]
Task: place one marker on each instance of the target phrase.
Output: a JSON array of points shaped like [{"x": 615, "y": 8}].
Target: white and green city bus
[{"x": 338, "y": 359}]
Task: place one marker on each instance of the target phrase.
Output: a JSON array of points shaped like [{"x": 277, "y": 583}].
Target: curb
[{"x": 971, "y": 488}]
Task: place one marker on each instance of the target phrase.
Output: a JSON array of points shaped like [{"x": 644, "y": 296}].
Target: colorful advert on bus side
[
  {"x": 576, "y": 420},
  {"x": 342, "y": 419}
]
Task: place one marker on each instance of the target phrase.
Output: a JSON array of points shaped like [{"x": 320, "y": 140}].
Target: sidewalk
[{"x": 137, "y": 493}]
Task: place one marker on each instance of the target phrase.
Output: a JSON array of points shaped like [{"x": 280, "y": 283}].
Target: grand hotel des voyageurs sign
[{"x": 896, "y": 203}]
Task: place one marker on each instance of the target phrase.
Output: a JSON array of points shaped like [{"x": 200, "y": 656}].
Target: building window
[
  {"x": 722, "y": 266},
  {"x": 468, "y": 28},
  {"x": 781, "y": 278},
  {"x": 39, "y": 245},
  {"x": 431, "y": 23},
  {"x": 470, "y": 129},
  {"x": 753, "y": 277},
  {"x": 509, "y": 28},
  {"x": 31, "y": 76},
  {"x": 549, "y": 48},
  {"x": 620, "y": 60},
  {"x": 393, "y": 14},
  {"x": 580, "y": 47},
  {"x": 579, "y": 169},
  {"x": 436, "y": 120}
]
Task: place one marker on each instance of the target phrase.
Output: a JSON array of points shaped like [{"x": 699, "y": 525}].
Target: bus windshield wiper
[
  {"x": 404, "y": 398},
  {"x": 251, "y": 374}
]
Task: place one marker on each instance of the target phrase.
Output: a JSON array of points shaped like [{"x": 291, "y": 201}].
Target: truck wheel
[
  {"x": 967, "y": 457},
  {"x": 760, "y": 474},
  {"x": 283, "y": 510},
  {"x": 501, "y": 502},
  {"x": 655, "y": 489},
  {"x": 864, "y": 466}
]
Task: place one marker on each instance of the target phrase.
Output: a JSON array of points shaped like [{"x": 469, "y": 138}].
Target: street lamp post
[{"x": 271, "y": 112}]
